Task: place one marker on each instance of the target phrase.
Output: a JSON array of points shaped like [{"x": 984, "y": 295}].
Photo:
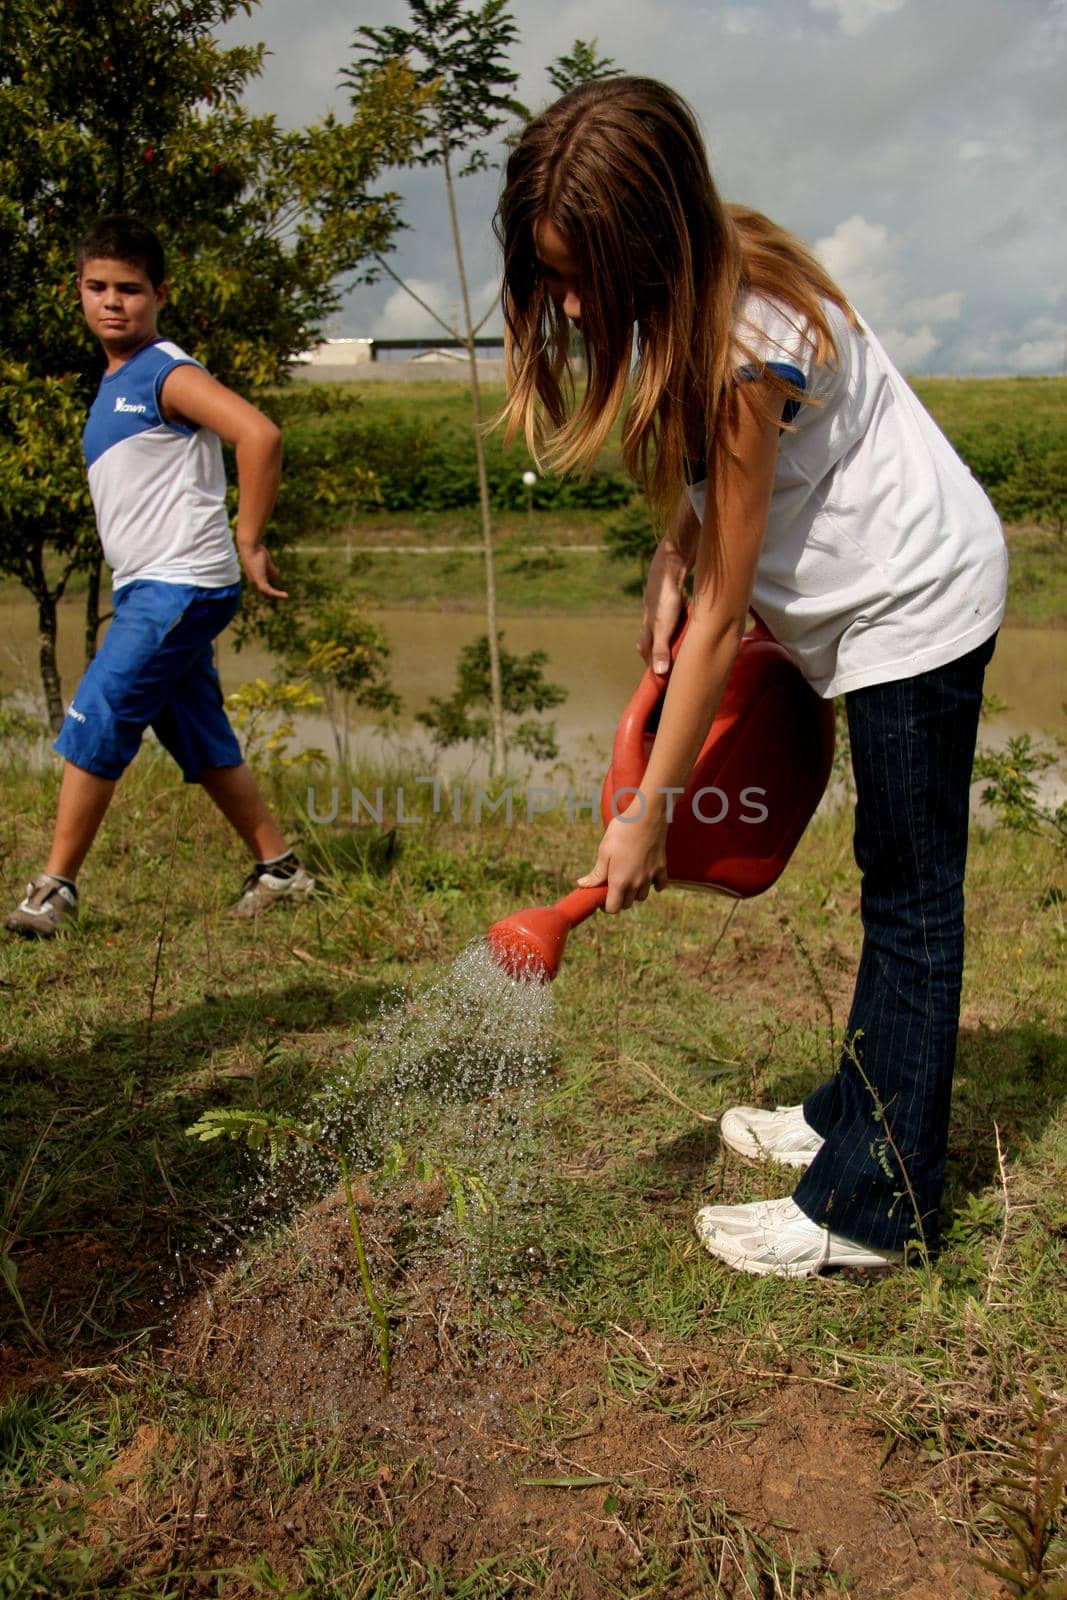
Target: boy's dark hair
[{"x": 118, "y": 237}]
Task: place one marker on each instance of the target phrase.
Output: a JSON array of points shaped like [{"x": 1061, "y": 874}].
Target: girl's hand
[
  {"x": 632, "y": 858},
  {"x": 665, "y": 587}
]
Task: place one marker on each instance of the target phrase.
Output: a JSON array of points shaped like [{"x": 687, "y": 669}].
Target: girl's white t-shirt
[{"x": 883, "y": 558}]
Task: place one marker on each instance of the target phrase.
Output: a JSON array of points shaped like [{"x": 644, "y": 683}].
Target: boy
[{"x": 158, "y": 489}]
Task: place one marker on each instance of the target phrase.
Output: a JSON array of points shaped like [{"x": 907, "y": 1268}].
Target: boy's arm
[{"x": 193, "y": 396}]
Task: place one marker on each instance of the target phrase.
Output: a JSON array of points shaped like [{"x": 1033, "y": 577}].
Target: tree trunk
[
  {"x": 498, "y": 748},
  {"x": 46, "y": 632},
  {"x": 92, "y": 606}
]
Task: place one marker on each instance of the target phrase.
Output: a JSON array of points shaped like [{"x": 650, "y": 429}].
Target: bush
[
  {"x": 633, "y": 536},
  {"x": 1023, "y": 470},
  {"x": 350, "y": 463},
  {"x": 348, "y": 451},
  {"x": 1036, "y": 491},
  {"x": 524, "y": 690}
]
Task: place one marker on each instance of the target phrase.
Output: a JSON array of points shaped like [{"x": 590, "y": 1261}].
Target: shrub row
[
  {"x": 1022, "y": 469},
  {"x": 350, "y": 463},
  {"x": 345, "y": 454}
]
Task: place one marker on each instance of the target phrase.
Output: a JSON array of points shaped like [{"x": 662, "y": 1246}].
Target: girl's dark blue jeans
[{"x": 884, "y": 1114}]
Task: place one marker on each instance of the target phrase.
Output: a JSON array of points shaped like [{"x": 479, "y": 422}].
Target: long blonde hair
[{"x": 619, "y": 168}]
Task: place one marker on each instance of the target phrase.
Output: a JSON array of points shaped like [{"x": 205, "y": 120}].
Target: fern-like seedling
[
  {"x": 1028, "y": 1500},
  {"x": 257, "y": 1129}
]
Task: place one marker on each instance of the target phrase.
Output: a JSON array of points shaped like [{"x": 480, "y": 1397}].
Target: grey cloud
[{"x": 940, "y": 123}]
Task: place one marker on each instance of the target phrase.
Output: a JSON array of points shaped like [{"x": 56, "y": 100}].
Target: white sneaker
[
  {"x": 775, "y": 1239},
  {"x": 263, "y": 889},
  {"x": 781, "y": 1135},
  {"x": 50, "y": 904}
]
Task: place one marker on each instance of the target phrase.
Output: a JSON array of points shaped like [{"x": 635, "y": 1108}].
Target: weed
[
  {"x": 256, "y": 1129},
  {"x": 1012, "y": 791},
  {"x": 1029, "y": 1503}
]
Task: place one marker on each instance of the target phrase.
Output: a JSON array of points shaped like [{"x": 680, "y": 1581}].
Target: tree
[
  {"x": 524, "y": 688},
  {"x": 459, "y": 56},
  {"x": 583, "y": 65},
  {"x": 633, "y": 536},
  {"x": 137, "y": 107},
  {"x": 323, "y": 636},
  {"x": 44, "y": 500}
]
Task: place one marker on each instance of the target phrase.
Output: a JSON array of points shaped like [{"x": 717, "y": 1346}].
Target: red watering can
[{"x": 754, "y": 786}]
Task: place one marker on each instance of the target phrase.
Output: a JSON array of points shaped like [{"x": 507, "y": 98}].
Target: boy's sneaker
[
  {"x": 267, "y": 886},
  {"x": 50, "y": 902},
  {"x": 775, "y": 1239},
  {"x": 781, "y": 1135}
]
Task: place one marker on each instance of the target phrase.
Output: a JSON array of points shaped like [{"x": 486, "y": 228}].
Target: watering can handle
[
  {"x": 649, "y": 692},
  {"x": 646, "y": 697},
  {"x": 659, "y": 680}
]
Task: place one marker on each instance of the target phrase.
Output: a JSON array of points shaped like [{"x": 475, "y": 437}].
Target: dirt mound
[{"x": 612, "y": 1459}]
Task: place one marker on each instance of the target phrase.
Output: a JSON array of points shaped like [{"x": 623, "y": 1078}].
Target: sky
[{"x": 917, "y": 145}]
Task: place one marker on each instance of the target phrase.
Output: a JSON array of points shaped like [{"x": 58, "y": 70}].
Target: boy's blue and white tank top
[
  {"x": 158, "y": 487},
  {"x": 882, "y": 557}
]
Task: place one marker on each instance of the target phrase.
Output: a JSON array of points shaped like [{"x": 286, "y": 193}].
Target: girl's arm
[
  {"x": 632, "y": 854},
  {"x": 193, "y": 396}
]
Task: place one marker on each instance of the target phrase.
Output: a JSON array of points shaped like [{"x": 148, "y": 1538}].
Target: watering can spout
[{"x": 529, "y": 944}]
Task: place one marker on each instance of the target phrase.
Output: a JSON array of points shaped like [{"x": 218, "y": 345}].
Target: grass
[
  {"x": 965, "y": 403},
  {"x": 556, "y": 579},
  {"x": 559, "y": 580},
  {"x": 122, "y": 1475},
  {"x": 1037, "y": 578}
]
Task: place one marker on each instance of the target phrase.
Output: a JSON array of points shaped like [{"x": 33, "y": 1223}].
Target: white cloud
[
  {"x": 856, "y": 16},
  {"x": 945, "y": 307},
  {"x": 402, "y": 317},
  {"x": 871, "y": 268},
  {"x": 1041, "y": 355},
  {"x": 943, "y": 124},
  {"x": 988, "y": 150},
  {"x": 739, "y": 20},
  {"x": 485, "y": 302},
  {"x": 910, "y": 349},
  {"x": 857, "y": 253}
]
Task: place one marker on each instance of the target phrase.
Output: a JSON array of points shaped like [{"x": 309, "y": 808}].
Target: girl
[{"x": 796, "y": 473}]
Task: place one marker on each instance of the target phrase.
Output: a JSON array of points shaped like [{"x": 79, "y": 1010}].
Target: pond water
[{"x": 592, "y": 657}]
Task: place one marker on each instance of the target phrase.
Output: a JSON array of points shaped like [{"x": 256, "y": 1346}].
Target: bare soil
[{"x": 588, "y": 1450}]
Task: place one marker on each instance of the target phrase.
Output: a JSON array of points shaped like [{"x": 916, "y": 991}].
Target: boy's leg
[
  {"x": 277, "y": 875},
  {"x": 236, "y": 793},
  {"x": 51, "y": 900},
  {"x": 100, "y": 736},
  {"x": 194, "y": 728},
  {"x": 888, "y": 1105},
  {"x": 83, "y": 802}
]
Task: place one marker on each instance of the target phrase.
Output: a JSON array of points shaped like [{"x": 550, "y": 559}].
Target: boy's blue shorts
[{"x": 155, "y": 669}]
